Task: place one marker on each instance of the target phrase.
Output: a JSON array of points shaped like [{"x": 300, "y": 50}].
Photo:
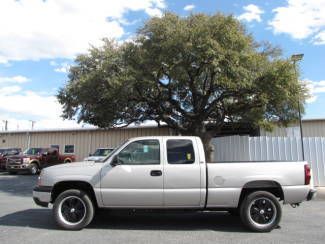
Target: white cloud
[
  {"x": 189, "y": 7},
  {"x": 13, "y": 79},
  {"x": 7, "y": 90},
  {"x": 36, "y": 29},
  {"x": 252, "y": 12},
  {"x": 28, "y": 103},
  {"x": 301, "y": 19},
  {"x": 63, "y": 68},
  {"x": 15, "y": 124},
  {"x": 312, "y": 99},
  {"x": 315, "y": 88},
  {"x": 319, "y": 39},
  {"x": 18, "y": 106}
]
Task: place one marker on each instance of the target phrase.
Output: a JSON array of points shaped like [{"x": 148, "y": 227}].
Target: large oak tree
[{"x": 193, "y": 73}]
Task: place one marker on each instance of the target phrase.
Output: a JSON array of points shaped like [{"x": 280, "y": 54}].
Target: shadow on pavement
[
  {"x": 126, "y": 220},
  {"x": 169, "y": 221},
  {"x": 35, "y": 218},
  {"x": 19, "y": 185}
]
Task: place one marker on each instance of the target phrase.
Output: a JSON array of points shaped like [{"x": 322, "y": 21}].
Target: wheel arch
[
  {"x": 35, "y": 161},
  {"x": 62, "y": 186},
  {"x": 67, "y": 160},
  {"x": 261, "y": 185}
]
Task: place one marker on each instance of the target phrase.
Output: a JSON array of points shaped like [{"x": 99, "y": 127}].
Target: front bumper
[
  {"x": 42, "y": 195},
  {"x": 18, "y": 167},
  {"x": 311, "y": 194}
]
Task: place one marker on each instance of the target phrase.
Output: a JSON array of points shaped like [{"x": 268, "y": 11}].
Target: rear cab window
[
  {"x": 180, "y": 151},
  {"x": 69, "y": 149}
]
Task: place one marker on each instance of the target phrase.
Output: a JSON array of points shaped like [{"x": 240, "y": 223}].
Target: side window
[
  {"x": 140, "y": 152},
  {"x": 180, "y": 152},
  {"x": 53, "y": 152},
  {"x": 55, "y": 146},
  {"x": 69, "y": 149}
]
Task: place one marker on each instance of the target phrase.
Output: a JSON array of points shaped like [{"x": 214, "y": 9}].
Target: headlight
[
  {"x": 26, "y": 160},
  {"x": 39, "y": 179}
]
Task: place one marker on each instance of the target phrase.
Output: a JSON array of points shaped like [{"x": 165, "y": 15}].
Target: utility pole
[
  {"x": 33, "y": 123},
  {"x": 29, "y": 134},
  {"x": 6, "y": 124},
  {"x": 295, "y": 58}
]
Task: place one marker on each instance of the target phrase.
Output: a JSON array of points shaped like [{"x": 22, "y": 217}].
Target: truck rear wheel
[
  {"x": 260, "y": 211},
  {"x": 73, "y": 210}
]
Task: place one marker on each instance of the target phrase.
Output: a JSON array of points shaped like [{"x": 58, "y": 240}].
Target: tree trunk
[
  {"x": 206, "y": 137},
  {"x": 206, "y": 140}
]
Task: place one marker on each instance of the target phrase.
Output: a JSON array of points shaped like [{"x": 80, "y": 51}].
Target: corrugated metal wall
[
  {"x": 85, "y": 141},
  {"x": 244, "y": 148},
  {"x": 311, "y": 128}
]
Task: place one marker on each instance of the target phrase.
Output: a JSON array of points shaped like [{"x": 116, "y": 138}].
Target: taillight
[{"x": 307, "y": 174}]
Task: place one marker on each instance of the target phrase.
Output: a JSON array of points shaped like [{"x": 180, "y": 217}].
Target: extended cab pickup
[
  {"x": 36, "y": 158},
  {"x": 171, "y": 173}
]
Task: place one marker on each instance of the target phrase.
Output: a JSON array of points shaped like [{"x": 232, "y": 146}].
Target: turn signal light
[{"x": 307, "y": 174}]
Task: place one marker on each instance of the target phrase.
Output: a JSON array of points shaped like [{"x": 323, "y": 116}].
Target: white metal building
[{"x": 80, "y": 142}]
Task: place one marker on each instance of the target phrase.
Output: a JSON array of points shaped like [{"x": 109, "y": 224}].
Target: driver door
[{"x": 136, "y": 179}]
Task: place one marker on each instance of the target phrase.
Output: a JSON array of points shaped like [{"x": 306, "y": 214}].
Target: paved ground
[{"x": 21, "y": 221}]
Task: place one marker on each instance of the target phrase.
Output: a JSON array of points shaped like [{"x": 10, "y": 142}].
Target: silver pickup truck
[{"x": 170, "y": 172}]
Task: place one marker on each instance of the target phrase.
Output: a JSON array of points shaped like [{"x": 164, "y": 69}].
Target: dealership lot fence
[{"x": 245, "y": 148}]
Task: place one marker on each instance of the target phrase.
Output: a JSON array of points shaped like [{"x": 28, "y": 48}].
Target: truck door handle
[{"x": 155, "y": 173}]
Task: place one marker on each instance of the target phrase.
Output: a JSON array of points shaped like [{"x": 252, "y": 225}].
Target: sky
[{"x": 39, "y": 40}]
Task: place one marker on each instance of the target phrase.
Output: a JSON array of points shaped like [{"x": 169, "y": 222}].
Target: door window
[
  {"x": 180, "y": 152},
  {"x": 141, "y": 152}
]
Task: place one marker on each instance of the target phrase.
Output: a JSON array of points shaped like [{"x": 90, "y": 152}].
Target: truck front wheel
[
  {"x": 73, "y": 210},
  {"x": 260, "y": 211},
  {"x": 33, "y": 168}
]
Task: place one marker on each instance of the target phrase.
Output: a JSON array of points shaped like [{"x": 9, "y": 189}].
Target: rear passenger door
[{"x": 182, "y": 173}]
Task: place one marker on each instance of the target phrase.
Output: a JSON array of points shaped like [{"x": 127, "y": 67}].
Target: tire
[
  {"x": 67, "y": 161},
  {"x": 73, "y": 210},
  {"x": 12, "y": 172},
  {"x": 260, "y": 211},
  {"x": 33, "y": 169}
]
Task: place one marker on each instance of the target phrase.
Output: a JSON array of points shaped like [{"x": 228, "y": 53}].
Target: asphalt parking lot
[{"x": 21, "y": 221}]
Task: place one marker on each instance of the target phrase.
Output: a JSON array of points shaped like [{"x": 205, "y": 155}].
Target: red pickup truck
[
  {"x": 34, "y": 159},
  {"x": 6, "y": 152}
]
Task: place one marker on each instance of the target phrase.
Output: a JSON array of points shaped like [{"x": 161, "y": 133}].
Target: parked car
[
  {"x": 171, "y": 173},
  {"x": 99, "y": 154},
  {"x": 4, "y": 153},
  {"x": 36, "y": 158}
]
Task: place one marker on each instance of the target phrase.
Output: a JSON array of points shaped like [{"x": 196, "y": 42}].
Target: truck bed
[{"x": 226, "y": 180}]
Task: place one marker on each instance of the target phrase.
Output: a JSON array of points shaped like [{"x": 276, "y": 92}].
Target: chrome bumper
[{"x": 42, "y": 195}]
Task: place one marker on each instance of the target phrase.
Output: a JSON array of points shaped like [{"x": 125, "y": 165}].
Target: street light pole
[{"x": 295, "y": 58}]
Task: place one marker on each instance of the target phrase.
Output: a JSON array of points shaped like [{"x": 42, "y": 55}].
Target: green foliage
[{"x": 190, "y": 72}]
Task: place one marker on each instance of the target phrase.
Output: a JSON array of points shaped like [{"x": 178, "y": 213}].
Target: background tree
[{"x": 194, "y": 73}]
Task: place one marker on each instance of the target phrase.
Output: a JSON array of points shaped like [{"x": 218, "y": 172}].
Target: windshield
[
  {"x": 33, "y": 151},
  {"x": 9, "y": 151},
  {"x": 103, "y": 152},
  {"x": 113, "y": 152}
]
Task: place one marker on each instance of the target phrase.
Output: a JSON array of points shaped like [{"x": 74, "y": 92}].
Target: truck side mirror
[{"x": 115, "y": 162}]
